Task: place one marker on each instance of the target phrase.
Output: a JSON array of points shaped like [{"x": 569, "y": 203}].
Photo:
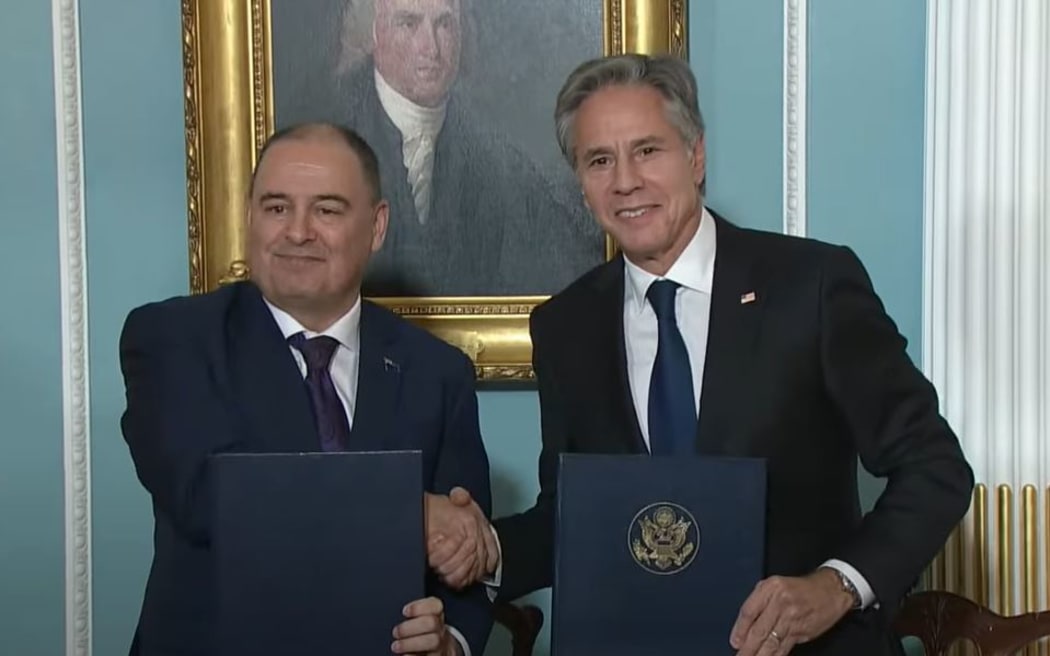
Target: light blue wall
[
  {"x": 137, "y": 252},
  {"x": 32, "y": 557},
  {"x": 866, "y": 86},
  {"x": 735, "y": 49},
  {"x": 865, "y": 187},
  {"x": 865, "y": 140},
  {"x": 510, "y": 423}
]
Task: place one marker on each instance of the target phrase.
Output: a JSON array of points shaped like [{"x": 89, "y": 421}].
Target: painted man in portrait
[{"x": 470, "y": 213}]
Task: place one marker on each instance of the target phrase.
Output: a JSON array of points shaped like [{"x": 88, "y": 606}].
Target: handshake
[{"x": 461, "y": 545}]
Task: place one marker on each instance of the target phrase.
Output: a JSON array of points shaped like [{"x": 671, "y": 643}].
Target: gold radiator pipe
[
  {"x": 959, "y": 535},
  {"x": 1030, "y": 566},
  {"x": 980, "y": 543},
  {"x": 1029, "y": 555},
  {"x": 1005, "y": 551}
]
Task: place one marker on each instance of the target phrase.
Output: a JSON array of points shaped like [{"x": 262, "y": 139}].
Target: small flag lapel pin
[{"x": 748, "y": 298}]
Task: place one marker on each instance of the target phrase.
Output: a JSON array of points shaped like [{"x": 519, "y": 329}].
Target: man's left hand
[
  {"x": 782, "y": 612},
  {"x": 423, "y": 633}
]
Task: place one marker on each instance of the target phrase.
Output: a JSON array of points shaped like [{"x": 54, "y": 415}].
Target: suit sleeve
[
  {"x": 463, "y": 462},
  {"x": 173, "y": 420},
  {"x": 527, "y": 539},
  {"x": 892, "y": 412}
]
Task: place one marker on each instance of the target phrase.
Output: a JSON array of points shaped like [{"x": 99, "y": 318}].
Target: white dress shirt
[
  {"x": 343, "y": 369},
  {"x": 419, "y": 127},
  {"x": 694, "y": 271},
  {"x": 345, "y": 361}
]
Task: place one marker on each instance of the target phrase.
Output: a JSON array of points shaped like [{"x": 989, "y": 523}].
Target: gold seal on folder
[{"x": 663, "y": 538}]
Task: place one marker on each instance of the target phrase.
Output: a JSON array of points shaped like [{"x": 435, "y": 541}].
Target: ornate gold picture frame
[{"x": 229, "y": 105}]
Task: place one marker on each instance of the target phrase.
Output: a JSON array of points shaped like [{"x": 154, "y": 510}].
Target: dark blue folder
[
  {"x": 315, "y": 553},
  {"x": 654, "y": 555}
]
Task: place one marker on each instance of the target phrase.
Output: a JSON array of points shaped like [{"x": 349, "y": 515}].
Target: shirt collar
[
  {"x": 346, "y": 330},
  {"x": 694, "y": 269},
  {"x": 410, "y": 119}
]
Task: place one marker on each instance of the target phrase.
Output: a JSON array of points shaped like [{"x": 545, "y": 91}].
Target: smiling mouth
[
  {"x": 299, "y": 258},
  {"x": 429, "y": 72},
  {"x": 634, "y": 212}
]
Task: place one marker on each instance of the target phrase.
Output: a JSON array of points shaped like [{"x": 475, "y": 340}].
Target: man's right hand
[{"x": 461, "y": 546}]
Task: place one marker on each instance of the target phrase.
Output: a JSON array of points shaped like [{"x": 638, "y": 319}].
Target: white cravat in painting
[{"x": 419, "y": 127}]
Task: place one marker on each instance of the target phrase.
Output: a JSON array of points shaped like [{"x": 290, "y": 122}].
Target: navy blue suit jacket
[
  {"x": 213, "y": 373},
  {"x": 809, "y": 374}
]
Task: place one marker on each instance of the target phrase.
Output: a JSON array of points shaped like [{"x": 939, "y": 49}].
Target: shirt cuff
[
  {"x": 460, "y": 639},
  {"x": 493, "y": 582},
  {"x": 867, "y": 595}
]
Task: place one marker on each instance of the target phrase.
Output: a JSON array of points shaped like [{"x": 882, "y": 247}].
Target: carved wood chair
[
  {"x": 939, "y": 619},
  {"x": 524, "y": 624}
]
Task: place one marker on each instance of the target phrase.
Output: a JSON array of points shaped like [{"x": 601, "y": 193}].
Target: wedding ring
[{"x": 774, "y": 635}]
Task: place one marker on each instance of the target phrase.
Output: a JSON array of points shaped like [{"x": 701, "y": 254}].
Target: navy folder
[
  {"x": 315, "y": 553},
  {"x": 654, "y": 555}
]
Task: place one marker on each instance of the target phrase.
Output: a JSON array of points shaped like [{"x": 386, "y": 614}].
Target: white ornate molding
[
  {"x": 986, "y": 306},
  {"x": 73, "y": 276},
  {"x": 795, "y": 73}
]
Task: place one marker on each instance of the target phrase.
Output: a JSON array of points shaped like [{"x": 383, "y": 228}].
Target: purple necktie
[{"x": 329, "y": 412}]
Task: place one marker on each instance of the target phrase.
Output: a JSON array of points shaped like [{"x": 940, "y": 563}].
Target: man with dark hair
[{"x": 296, "y": 361}]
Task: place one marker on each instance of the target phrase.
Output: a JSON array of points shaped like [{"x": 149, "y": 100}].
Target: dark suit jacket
[
  {"x": 809, "y": 375},
  {"x": 492, "y": 215},
  {"x": 213, "y": 373}
]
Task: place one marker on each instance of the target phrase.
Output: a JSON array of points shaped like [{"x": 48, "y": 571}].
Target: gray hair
[
  {"x": 356, "y": 38},
  {"x": 669, "y": 75}
]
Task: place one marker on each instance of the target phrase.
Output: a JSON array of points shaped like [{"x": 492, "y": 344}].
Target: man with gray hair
[
  {"x": 706, "y": 338},
  {"x": 469, "y": 213}
]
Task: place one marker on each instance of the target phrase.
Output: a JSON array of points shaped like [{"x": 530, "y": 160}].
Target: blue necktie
[
  {"x": 329, "y": 412},
  {"x": 672, "y": 404}
]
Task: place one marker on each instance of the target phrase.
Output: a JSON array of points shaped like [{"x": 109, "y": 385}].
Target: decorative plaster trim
[
  {"x": 933, "y": 116},
  {"x": 795, "y": 69},
  {"x": 73, "y": 276}
]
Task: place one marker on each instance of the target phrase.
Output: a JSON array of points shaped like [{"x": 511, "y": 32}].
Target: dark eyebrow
[
  {"x": 333, "y": 197},
  {"x": 408, "y": 13},
  {"x": 591, "y": 153},
  {"x": 649, "y": 140},
  {"x": 276, "y": 195}
]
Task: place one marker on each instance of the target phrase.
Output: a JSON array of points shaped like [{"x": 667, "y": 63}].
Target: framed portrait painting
[{"x": 457, "y": 99}]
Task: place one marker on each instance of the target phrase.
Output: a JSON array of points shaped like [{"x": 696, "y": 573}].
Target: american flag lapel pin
[
  {"x": 390, "y": 365},
  {"x": 748, "y": 298}
]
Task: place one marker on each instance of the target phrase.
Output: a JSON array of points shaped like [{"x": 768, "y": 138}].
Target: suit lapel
[
  {"x": 378, "y": 380},
  {"x": 267, "y": 380},
  {"x": 736, "y": 310},
  {"x": 609, "y": 338}
]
